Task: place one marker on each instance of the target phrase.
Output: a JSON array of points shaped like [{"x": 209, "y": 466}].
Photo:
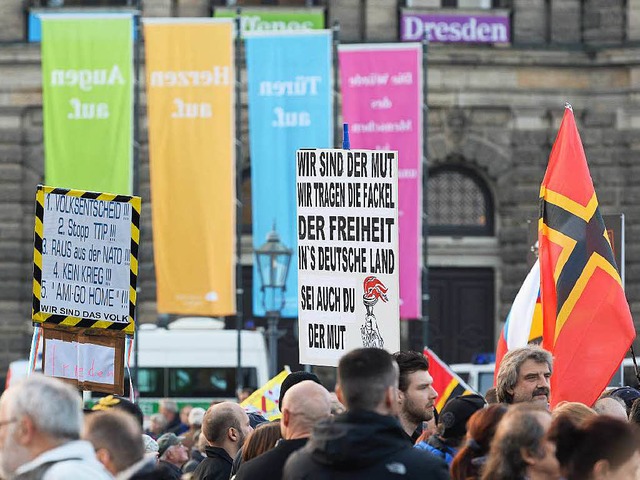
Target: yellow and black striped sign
[{"x": 80, "y": 272}]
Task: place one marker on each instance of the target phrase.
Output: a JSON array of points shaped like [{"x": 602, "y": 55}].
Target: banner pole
[
  {"x": 239, "y": 289},
  {"x": 425, "y": 194},
  {"x": 136, "y": 175},
  {"x": 335, "y": 34}
]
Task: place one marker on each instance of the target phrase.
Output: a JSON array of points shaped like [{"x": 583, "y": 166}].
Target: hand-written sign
[
  {"x": 84, "y": 243},
  {"x": 91, "y": 362},
  {"x": 80, "y": 361},
  {"x": 347, "y": 252}
]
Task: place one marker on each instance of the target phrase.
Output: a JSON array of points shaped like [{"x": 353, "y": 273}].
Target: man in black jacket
[
  {"x": 367, "y": 442},
  {"x": 225, "y": 426},
  {"x": 302, "y": 407}
]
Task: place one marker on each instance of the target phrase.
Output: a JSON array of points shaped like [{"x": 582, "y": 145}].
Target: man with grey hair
[
  {"x": 225, "y": 426},
  {"x": 303, "y": 405},
  {"x": 367, "y": 441},
  {"x": 169, "y": 410},
  {"x": 521, "y": 447},
  {"x": 40, "y": 422},
  {"x": 524, "y": 376}
]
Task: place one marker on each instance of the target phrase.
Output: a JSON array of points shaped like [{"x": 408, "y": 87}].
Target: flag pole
[
  {"x": 635, "y": 365},
  {"x": 239, "y": 199},
  {"x": 425, "y": 193}
]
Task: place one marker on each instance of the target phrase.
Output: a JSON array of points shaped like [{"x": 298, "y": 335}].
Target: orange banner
[{"x": 190, "y": 98}]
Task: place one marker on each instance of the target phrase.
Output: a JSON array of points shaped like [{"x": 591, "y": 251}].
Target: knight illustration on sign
[{"x": 374, "y": 289}]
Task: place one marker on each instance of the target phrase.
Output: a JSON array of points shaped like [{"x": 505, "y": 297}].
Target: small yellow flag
[{"x": 265, "y": 399}]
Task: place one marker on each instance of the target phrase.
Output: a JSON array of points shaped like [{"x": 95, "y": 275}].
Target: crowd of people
[{"x": 380, "y": 422}]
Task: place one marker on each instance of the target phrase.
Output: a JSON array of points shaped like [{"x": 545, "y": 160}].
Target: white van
[
  {"x": 480, "y": 377},
  {"x": 194, "y": 361}
]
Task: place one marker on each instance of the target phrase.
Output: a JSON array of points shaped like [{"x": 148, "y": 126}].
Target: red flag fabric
[
  {"x": 445, "y": 380},
  {"x": 587, "y": 325}
]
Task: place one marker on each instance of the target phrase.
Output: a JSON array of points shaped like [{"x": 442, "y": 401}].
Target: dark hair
[
  {"x": 293, "y": 379},
  {"x": 634, "y": 414},
  {"x": 408, "y": 363},
  {"x": 579, "y": 448},
  {"x": 481, "y": 428},
  {"x": 216, "y": 423},
  {"x": 117, "y": 432},
  {"x": 491, "y": 396},
  {"x": 260, "y": 440},
  {"x": 520, "y": 428},
  {"x": 364, "y": 375}
]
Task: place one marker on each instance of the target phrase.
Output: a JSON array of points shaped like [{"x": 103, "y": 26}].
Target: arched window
[{"x": 459, "y": 202}]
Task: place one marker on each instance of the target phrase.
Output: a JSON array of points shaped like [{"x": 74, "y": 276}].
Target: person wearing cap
[
  {"x": 172, "y": 454},
  {"x": 119, "y": 403},
  {"x": 294, "y": 378},
  {"x": 452, "y": 426},
  {"x": 225, "y": 426},
  {"x": 627, "y": 394}
]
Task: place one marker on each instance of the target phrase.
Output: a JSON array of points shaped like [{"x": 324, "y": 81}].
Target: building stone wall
[{"x": 494, "y": 109}]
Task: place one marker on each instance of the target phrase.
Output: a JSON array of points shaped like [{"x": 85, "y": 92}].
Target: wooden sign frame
[{"x": 93, "y": 337}]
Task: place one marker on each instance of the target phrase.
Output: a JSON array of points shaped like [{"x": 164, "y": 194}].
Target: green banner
[
  {"x": 87, "y": 81},
  {"x": 269, "y": 20}
]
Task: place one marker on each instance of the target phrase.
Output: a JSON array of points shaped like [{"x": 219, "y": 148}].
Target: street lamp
[{"x": 273, "y": 258}]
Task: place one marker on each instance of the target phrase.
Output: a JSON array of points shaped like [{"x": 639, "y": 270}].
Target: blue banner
[{"x": 290, "y": 107}]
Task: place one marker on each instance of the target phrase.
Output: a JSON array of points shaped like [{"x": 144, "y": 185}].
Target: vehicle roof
[{"x": 183, "y": 348}]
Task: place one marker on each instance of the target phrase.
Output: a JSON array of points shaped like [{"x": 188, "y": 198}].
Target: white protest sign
[
  {"x": 348, "y": 282},
  {"x": 84, "y": 362},
  {"x": 84, "y": 268}
]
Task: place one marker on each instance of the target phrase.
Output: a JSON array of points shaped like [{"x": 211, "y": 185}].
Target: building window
[{"x": 459, "y": 203}]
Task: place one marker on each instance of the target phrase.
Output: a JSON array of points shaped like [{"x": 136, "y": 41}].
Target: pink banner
[{"x": 382, "y": 103}]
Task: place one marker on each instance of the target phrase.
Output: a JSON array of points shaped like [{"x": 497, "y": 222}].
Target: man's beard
[
  {"x": 241, "y": 439},
  {"x": 416, "y": 413}
]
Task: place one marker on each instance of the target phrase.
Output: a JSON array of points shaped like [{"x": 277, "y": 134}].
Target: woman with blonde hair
[{"x": 577, "y": 412}]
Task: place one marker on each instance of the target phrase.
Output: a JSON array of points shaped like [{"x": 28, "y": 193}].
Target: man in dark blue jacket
[{"x": 367, "y": 442}]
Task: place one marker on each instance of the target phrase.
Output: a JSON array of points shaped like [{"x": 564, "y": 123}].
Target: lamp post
[{"x": 273, "y": 258}]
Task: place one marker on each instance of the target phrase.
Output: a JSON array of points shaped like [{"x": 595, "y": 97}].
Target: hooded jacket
[{"x": 362, "y": 445}]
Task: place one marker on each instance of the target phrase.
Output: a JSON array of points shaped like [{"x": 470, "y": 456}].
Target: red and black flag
[
  {"x": 445, "y": 381},
  {"x": 587, "y": 323}
]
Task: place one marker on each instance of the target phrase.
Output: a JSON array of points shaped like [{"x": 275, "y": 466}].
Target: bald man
[
  {"x": 611, "y": 406},
  {"x": 302, "y": 407},
  {"x": 225, "y": 426}
]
